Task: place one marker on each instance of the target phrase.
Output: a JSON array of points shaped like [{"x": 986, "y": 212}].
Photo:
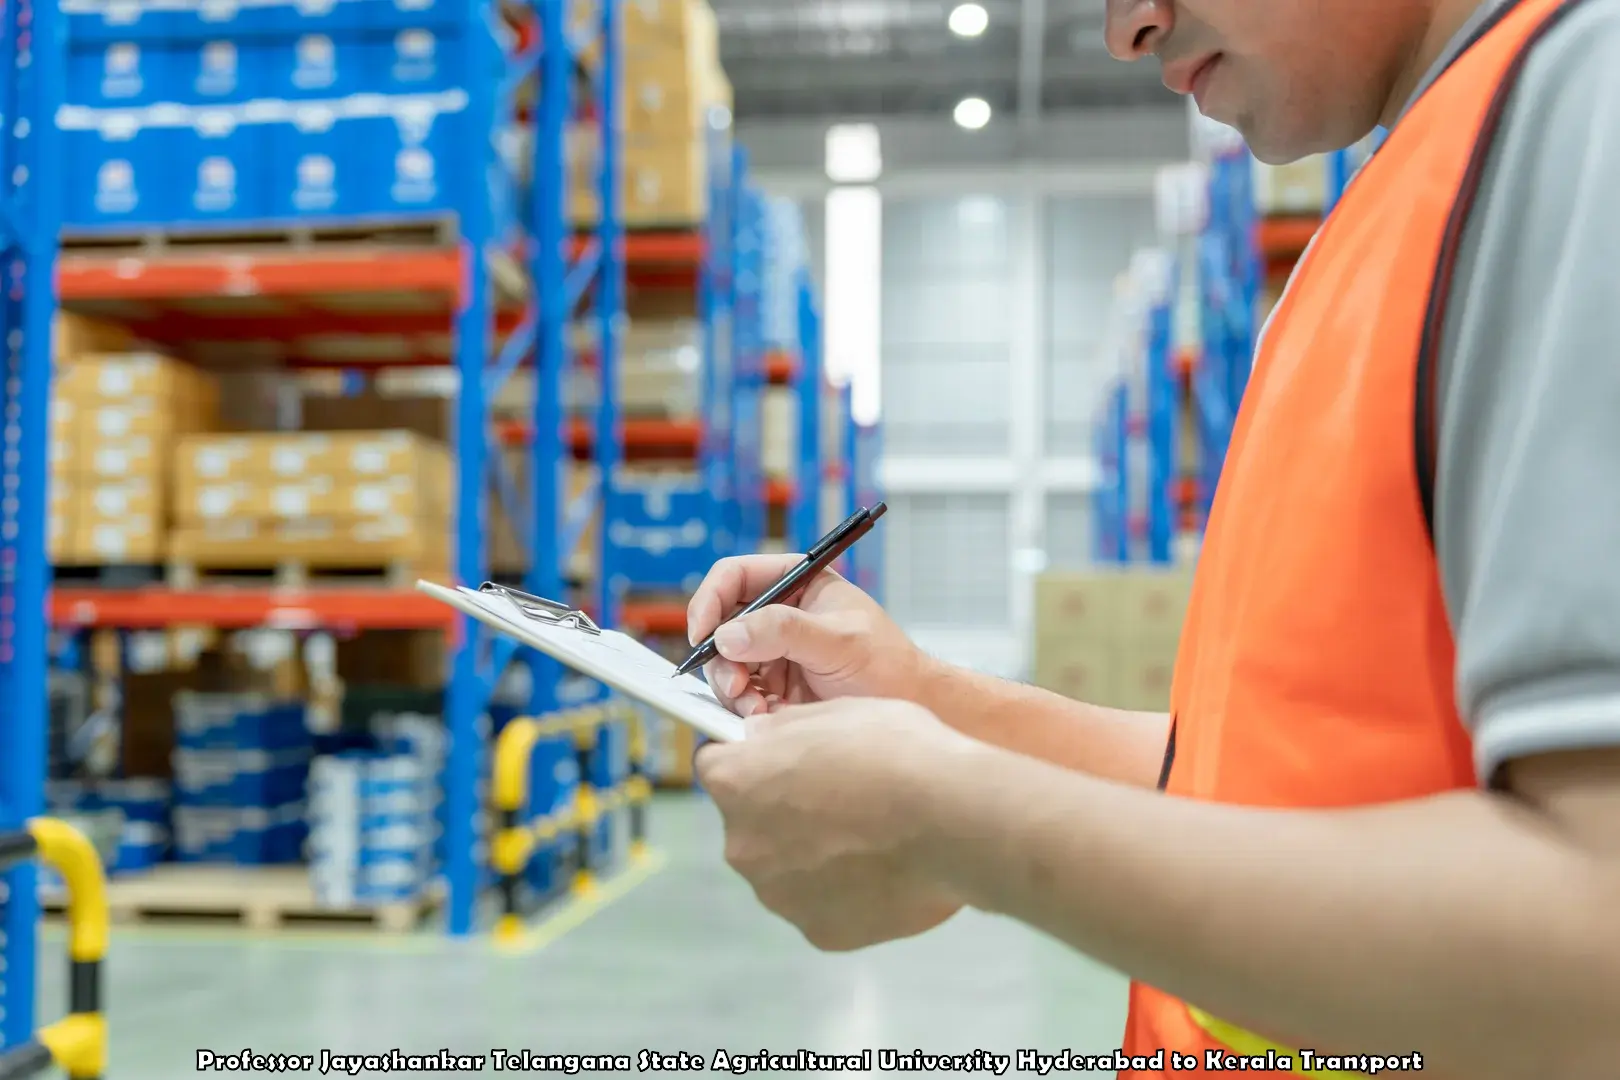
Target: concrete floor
[{"x": 684, "y": 961}]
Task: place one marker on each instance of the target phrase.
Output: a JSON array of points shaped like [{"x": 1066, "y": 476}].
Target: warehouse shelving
[
  {"x": 508, "y": 299},
  {"x": 481, "y": 287},
  {"x": 29, "y": 211},
  {"x": 1235, "y": 254}
]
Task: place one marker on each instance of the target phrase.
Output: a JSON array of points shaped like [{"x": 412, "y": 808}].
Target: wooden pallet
[
  {"x": 298, "y": 575},
  {"x": 433, "y": 232},
  {"x": 257, "y": 898}
]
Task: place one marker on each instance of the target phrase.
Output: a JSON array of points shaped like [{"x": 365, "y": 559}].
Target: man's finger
[
  {"x": 781, "y": 632},
  {"x": 730, "y": 584}
]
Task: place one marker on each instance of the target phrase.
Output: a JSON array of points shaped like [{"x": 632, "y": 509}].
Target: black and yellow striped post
[
  {"x": 586, "y": 726},
  {"x": 513, "y": 844},
  {"x": 638, "y": 787},
  {"x": 77, "y": 1043}
]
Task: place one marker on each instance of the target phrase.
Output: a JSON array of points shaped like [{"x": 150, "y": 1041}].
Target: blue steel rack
[
  {"x": 34, "y": 54},
  {"x": 561, "y": 282}
]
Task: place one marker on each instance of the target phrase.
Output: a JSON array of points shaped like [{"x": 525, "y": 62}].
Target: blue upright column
[
  {"x": 804, "y": 528},
  {"x": 30, "y": 197},
  {"x": 470, "y": 682},
  {"x": 610, "y": 306}
]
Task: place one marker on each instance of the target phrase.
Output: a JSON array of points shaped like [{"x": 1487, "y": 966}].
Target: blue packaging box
[
  {"x": 204, "y": 834},
  {"x": 316, "y": 165},
  {"x": 121, "y": 73},
  {"x": 315, "y": 66},
  {"x": 269, "y": 837},
  {"x": 238, "y": 722},
  {"x": 215, "y": 71},
  {"x": 239, "y": 779},
  {"x": 116, "y": 170},
  {"x": 140, "y": 800},
  {"x": 660, "y": 529},
  {"x": 222, "y": 173},
  {"x": 102, "y": 20},
  {"x": 141, "y": 846}
]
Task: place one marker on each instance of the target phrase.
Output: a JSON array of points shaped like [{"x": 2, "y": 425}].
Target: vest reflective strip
[{"x": 1247, "y": 1044}]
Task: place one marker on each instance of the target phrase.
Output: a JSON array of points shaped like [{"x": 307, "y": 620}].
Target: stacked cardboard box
[
  {"x": 1109, "y": 637},
  {"x": 115, "y": 420},
  {"x": 660, "y": 369},
  {"x": 357, "y": 499},
  {"x": 672, "y": 79},
  {"x": 508, "y": 554},
  {"x": 1300, "y": 187}
]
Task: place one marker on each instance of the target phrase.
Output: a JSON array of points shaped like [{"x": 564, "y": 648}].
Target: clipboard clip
[{"x": 542, "y": 610}]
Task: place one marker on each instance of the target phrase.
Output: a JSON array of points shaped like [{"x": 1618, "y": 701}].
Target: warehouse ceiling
[{"x": 874, "y": 58}]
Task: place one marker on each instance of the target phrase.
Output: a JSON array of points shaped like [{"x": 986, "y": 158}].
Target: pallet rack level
[{"x": 32, "y": 59}]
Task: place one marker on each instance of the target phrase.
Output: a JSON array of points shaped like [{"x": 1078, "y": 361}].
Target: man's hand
[
  {"x": 834, "y": 641},
  {"x": 816, "y": 801}
]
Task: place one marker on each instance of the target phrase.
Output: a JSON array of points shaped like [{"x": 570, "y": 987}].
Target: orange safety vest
[{"x": 1316, "y": 668}]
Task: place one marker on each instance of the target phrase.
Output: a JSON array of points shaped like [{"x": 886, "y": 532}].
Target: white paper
[{"x": 611, "y": 657}]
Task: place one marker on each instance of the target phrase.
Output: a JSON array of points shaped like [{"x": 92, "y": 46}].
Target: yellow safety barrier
[
  {"x": 77, "y": 1043},
  {"x": 516, "y": 841}
]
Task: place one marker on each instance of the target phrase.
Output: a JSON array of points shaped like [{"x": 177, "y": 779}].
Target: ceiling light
[
  {"x": 854, "y": 154},
  {"x": 972, "y": 113},
  {"x": 969, "y": 20}
]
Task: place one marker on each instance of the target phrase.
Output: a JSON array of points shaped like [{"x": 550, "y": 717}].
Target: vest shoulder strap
[{"x": 1426, "y": 414}]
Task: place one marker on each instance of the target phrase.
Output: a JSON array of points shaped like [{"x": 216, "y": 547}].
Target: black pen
[{"x": 822, "y": 554}]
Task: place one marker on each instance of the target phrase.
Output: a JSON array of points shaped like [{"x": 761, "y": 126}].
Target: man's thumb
[{"x": 779, "y": 632}]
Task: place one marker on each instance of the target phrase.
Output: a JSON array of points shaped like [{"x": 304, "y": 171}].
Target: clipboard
[{"x": 608, "y": 656}]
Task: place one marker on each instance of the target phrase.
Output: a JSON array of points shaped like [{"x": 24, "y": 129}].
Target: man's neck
[{"x": 1446, "y": 18}]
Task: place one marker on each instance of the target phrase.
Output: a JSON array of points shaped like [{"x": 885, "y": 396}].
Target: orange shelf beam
[
  {"x": 780, "y": 367},
  {"x": 779, "y": 493},
  {"x": 640, "y": 436},
  {"x": 1284, "y": 237},
  {"x": 674, "y": 248},
  {"x": 435, "y": 270},
  {"x": 654, "y": 617},
  {"x": 156, "y": 607}
]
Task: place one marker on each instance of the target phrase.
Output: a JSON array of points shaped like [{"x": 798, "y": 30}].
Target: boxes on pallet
[
  {"x": 1109, "y": 637},
  {"x": 1299, "y": 187},
  {"x": 353, "y": 499},
  {"x": 253, "y": 721},
  {"x": 143, "y": 806},
  {"x": 240, "y": 778},
  {"x": 659, "y": 524},
  {"x": 114, "y": 419},
  {"x": 372, "y": 827}
]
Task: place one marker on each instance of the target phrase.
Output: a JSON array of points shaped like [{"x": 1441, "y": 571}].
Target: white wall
[{"x": 996, "y": 281}]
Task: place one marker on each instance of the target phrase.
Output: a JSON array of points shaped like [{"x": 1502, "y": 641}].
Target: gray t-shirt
[{"x": 1527, "y": 486}]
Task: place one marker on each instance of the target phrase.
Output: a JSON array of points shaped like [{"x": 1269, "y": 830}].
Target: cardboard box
[
  {"x": 125, "y": 376},
  {"x": 116, "y": 500},
  {"x": 1137, "y": 605},
  {"x": 77, "y": 335},
  {"x": 353, "y": 459},
  {"x": 662, "y": 182},
  {"x": 318, "y": 542},
  {"x": 312, "y": 496},
  {"x": 120, "y": 459},
  {"x": 136, "y": 539},
  {"x": 779, "y": 432},
  {"x": 1153, "y": 606},
  {"x": 508, "y": 555},
  {"x": 1085, "y": 671},
  {"x": 1299, "y": 187},
  {"x": 141, "y": 416},
  {"x": 413, "y": 658},
  {"x": 1077, "y": 605},
  {"x": 59, "y": 529},
  {"x": 1144, "y": 678}
]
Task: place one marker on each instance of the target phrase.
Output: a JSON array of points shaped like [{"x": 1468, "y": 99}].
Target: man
[{"x": 1383, "y": 816}]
